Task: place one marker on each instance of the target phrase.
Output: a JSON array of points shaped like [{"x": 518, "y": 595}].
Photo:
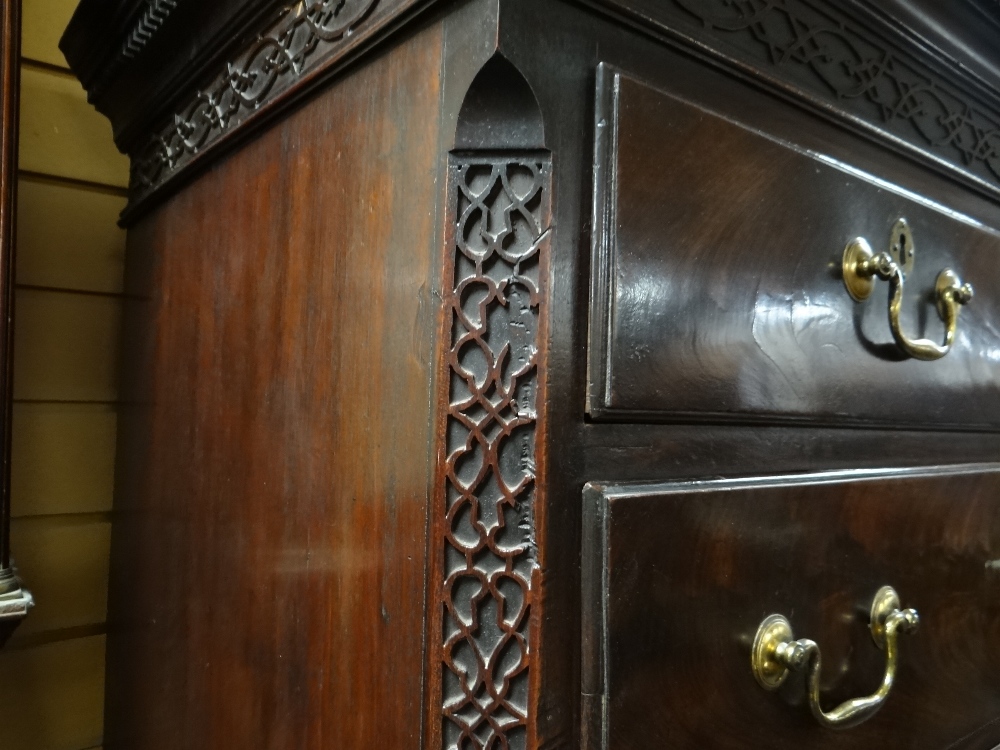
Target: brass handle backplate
[
  {"x": 861, "y": 267},
  {"x": 775, "y": 653}
]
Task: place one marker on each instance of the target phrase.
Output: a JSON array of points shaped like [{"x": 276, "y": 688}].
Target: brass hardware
[
  {"x": 773, "y": 635},
  {"x": 775, "y": 654},
  {"x": 861, "y": 266}
]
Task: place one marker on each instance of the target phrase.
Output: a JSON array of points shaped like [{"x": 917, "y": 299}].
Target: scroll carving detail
[
  {"x": 300, "y": 39},
  {"x": 494, "y": 303}
]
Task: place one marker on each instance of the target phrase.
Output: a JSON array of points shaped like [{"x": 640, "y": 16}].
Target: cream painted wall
[{"x": 70, "y": 256}]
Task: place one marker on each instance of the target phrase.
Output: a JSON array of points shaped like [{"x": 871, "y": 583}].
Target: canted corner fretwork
[{"x": 495, "y": 315}]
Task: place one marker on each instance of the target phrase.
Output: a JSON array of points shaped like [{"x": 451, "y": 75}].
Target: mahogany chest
[{"x": 537, "y": 374}]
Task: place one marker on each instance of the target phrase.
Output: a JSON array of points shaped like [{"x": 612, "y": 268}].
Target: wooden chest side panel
[{"x": 269, "y": 551}]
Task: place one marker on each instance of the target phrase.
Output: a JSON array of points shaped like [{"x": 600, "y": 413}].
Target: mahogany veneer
[{"x": 491, "y": 375}]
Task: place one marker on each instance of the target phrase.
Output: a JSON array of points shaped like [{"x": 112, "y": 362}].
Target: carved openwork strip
[
  {"x": 495, "y": 307},
  {"x": 833, "y": 55},
  {"x": 308, "y": 32},
  {"x": 836, "y": 60}
]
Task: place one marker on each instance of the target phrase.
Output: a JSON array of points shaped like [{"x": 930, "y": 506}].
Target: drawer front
[
  {"x": 717, "y": 290},
  {"x": 678, "y": 577}
]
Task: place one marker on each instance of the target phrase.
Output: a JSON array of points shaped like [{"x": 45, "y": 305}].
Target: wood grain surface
[
  {"x": 689, "y": 571},
  {"x": 719, "y": 294},
  {"x": 10, "y": 45},
  {"x": 270, "y": 556},
  {"x": 268, "y": 563}
]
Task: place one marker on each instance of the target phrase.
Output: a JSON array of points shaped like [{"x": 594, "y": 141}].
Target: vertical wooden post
[
  {"x": 490, "y": 473},
  {"x": 14, "y": 601}
]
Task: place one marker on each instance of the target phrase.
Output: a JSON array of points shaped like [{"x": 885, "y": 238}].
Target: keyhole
[{"x": 905, "y": 251}]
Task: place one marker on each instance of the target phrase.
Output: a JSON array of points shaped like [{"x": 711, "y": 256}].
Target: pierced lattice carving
[
  {"x": 307, "y": 33},
  {"x": 818, "y": 50},
  {"x": 495, "y": 305}
]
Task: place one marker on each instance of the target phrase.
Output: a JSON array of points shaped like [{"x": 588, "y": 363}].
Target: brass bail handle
[
  {"x": 775, "y": 653},
  {"x": 861, "y": 267}
]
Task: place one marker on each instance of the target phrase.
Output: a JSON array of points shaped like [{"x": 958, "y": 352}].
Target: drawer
[
  {"x": 678, "y": 577},
  {"x": 718, "y": 294}
]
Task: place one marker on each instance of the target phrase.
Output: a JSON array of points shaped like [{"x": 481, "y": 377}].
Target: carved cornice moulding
[
  {"x": 844, "y": 60},
  {"x": 152, "y": 18},
  {"x": 149, "y": 21},
  {"x": 850, "y": 62},
  {"x": 310, "y": 38}
]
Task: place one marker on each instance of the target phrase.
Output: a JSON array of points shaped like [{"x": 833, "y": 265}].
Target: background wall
[{"x": 69, "y": 256}]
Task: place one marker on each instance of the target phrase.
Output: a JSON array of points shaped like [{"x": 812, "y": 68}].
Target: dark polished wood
[
  {"x": 14, "y": 601},
  {"x": 251, "y": 59},
  {"x": 733, "y": 305},
  {"x": 10, "y": 61},
  {"x": 928, "y": 86},
  {"x": 153, "y": 47},
  {"x": 963, "y": 30},
  {"x": 361, "y": 339},
  {"x": 678, "y": 577},
  {"x": 269, "y": 556}
]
